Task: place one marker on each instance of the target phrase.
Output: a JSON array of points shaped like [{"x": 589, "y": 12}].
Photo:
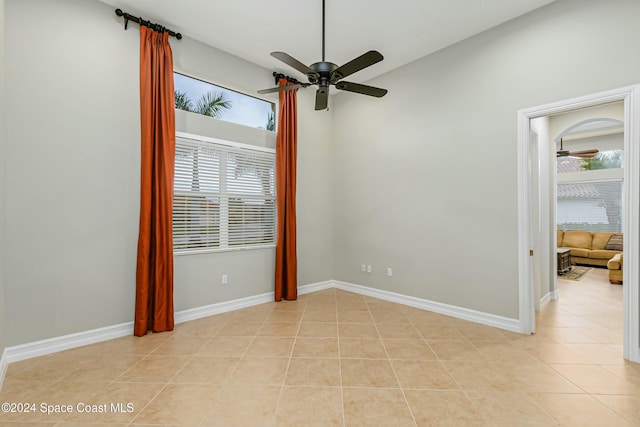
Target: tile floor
[{"x": 337, "y": 358}]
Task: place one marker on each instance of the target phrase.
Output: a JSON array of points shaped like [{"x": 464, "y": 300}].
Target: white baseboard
[
  {"x": 66, "y": 342},
  {"x": 3, "y": 366},
  {"x": 545, "y": 299},
  {"x": 506, "y": 323},
  {"x": 554, "y": 295}
]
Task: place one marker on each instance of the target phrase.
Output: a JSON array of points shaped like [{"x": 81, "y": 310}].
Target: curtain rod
[
  {"x": 156, "y": 27},
  {"x": 279, "y": 76}
]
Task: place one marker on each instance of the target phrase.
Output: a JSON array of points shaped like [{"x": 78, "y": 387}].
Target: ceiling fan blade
[
  {"x": 362, "y": 89},
  {"x": 292, "y": 62},
  {"x": 585, "y": 154},
  {"x": 281, "y": 88},
  {"x": 322, "y": 98},
  {"x": 355, "y": 65}
]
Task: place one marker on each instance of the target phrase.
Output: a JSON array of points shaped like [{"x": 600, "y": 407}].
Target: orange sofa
[{"x": 590, "y": 248}]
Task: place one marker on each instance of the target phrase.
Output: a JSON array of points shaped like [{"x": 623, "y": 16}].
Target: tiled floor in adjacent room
[{"x": 338, "y": 358}]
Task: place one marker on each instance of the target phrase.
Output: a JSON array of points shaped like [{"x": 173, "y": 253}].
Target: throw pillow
[{"x": 614, "y": 243}]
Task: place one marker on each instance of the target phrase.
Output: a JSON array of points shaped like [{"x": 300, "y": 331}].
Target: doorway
[{"x": 529, "y": 177}]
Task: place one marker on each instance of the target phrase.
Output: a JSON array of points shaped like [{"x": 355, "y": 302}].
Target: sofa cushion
[
  {"x": 577, "y": 239},
  {"x": 614, "y": 243},
  {"x": 600, "y": 239},
  {"x": 559, "y": 240},
  {"x": 579, "y": 252},
  {"x": 602, "y": 254}
]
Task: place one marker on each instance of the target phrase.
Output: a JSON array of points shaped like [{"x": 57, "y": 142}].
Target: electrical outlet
[
  {"x": 363, "y": 268},
  {"x": 389, "y": 272},
  {"x": 225, "y": 279},
  {"x": 369, "y": 268}
]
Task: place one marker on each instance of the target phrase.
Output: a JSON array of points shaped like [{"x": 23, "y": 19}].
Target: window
[
  {"x": 198, "y": 96},
  {"x": 590, "y": 206},
  {"x": 224, "y": 195}
]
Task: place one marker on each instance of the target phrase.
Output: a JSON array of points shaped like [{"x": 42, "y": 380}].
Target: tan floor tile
[
  {"x": 600, "y": 354},
  {"x": 103, "y": 368},
  {"x": 423, "y": 374},
  {"x": 250, "y": 315},
  {"x": 565, "y": 335},
  {"x": 136, "y": 345},
  {"x": 482, "y": 332},
  {"x": 579, "y": 410},
  {"x": 442, "y": 408},
  {"x": 313, "y": 372},
  {"x": 226, "y": 346},
  {"x": 424, "y": 317},
  {"x": 398, "y": 330},
  {"x": 509, "y": 408},
  {"x": 408, "y": 349},
  {"x": 206, "y": 327},
  {"x": 154, "y": 369},
  {"x": 367, "y": 373},
  {"x": 351, "y": 316},
  {"x": 15, "y": 390},
  {"x": 243, "y": 406},
  {"x": 180, "y": 345},
  {"x": 557, "y": 353},
  {"x": 45, "y": 368},
  {"x": 259, "y": 371},
  {"x": 317, "y": 329},
  {"x": 316, "y": 347},
  {"x": 376, "y": 407},
  {"x": 179, "y": 404},
  {"x": 285, "y": 316},
  {"x": 322, "y": 315},
  {"x": 628, "y": 407},
  {"x": 278, "y": 329},
  {"x": 310, "y": 406},
  {"x": 270, "y": 347},
  {"x": 357, "y": 330},
  {"x": 481, "y": 376},
  {"x": 385, "y": 316},
  {"x": 362, "y": 348},
  {"x": 239, "y": 329},
  {"x": 206, "y": 370},
  {"x": 500, "y": 351},
  {"x": 597, "y": 380},
  {"x": 538, "y": 378},
  {"x": 456, "y": 350},
  {"x": 438, "y": 331}
]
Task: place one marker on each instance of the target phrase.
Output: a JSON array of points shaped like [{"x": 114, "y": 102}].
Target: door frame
[{"x": 630, "y": 95}]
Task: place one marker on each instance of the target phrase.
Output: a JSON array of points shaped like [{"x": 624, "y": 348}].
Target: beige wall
[
  {"x": 73, "y": 167},
  {"x": 425, "y": 178},
  {"x": 3, "y": 323}
]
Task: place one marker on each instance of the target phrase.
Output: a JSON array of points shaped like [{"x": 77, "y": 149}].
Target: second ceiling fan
[
  {"x": 323, "y": 74},
  {"x": 584, "y": 154}
]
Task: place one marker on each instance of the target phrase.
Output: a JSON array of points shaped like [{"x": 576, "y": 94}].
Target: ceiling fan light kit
[{"x": 324, "y": 74}]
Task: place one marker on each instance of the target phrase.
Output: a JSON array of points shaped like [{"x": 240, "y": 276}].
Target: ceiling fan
[
  {"x": 323, "y": 74},
  {"x": 584, "y": 154}
]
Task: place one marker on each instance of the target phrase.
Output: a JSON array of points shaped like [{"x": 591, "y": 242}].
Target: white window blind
[
  {"x": 224, "y": 196},
  {"x": 590, "y": 206}
]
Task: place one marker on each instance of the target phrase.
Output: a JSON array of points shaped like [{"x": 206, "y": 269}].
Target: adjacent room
[{"x": 399, "y": 294}]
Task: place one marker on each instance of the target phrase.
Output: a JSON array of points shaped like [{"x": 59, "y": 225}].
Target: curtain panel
[
  {"x": 286, "y": 268},
  {"x": 154, "y": 276}
]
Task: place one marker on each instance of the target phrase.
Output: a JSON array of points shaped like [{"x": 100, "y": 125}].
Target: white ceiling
[{"x": 402, "y": 30}]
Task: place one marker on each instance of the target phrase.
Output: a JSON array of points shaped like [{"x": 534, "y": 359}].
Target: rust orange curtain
[
  {"x": 154, "y": 275},
  {"x": 286, "y": 271}
]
